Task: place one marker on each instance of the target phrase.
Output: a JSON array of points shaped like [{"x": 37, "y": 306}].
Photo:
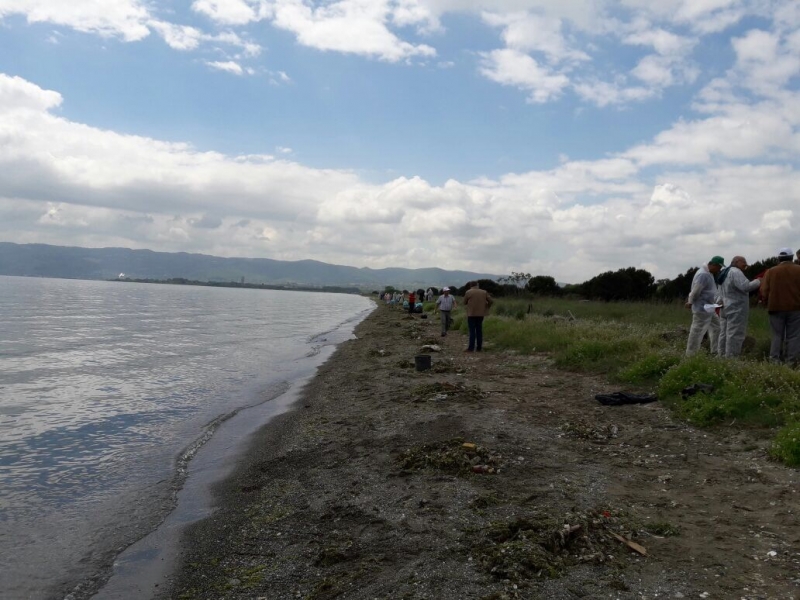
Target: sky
[{"x": 554, "y": 137}]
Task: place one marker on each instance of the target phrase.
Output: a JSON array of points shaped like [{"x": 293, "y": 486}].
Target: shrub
[
  {"x": 786, "y": 446},
  {"x": 650, "y": 367}
]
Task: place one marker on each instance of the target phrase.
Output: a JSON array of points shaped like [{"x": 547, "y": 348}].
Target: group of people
[
  {"x": 476, "y": 303},
  {"x": 720, "y": 304}
]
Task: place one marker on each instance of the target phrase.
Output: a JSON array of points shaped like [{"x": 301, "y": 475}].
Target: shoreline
[
  {"x": 367, "y": 488},
  {"x": 144, "y": 566}
]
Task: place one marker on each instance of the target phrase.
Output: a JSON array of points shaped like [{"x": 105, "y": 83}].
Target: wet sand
[{"x": 491, "y": 476}]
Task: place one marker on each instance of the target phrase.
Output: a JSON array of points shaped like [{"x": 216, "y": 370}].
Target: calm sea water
[{"x": 107, "y": 390}]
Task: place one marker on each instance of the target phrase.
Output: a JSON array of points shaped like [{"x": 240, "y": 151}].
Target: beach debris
[
  {"x": 452, "y": 456},
  {"x": 452, "y": 391},
  {"x": 431, "y": 348},
  {"x": 540, "y": 546},
  {"x": 381, "y": 352},
  {"x": 630, "y": 544},
  {"x": 583, "y": 430},
  {"x": 621, "y": 398}
]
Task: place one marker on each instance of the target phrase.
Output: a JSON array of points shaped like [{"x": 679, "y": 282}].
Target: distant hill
[{"x": 42, "y": 260}]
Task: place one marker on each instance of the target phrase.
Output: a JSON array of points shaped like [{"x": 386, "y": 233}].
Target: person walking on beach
[
  {"x": 781, "y": 292},
  {"x": 445, "y": 303},
  {"x": 735, "y": 291},
  {"x": 704, "y": 291},
  {"x": 477, "y": 303}
]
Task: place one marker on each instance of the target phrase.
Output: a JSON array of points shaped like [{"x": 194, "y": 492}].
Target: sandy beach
[{"x": 490, "y": 476}]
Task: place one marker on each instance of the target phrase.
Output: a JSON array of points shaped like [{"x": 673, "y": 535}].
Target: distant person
[
  {"x": 477, "y": 303},
  {"x": 735, "y": 291},
  {"x": 797, "y": 260},
  {"x": 428, "y": 295},
  {"x": 445, "y": 303},
  {"x": 704, "y": 291},
  {"x": 781, "y": 292},
  {"x": 412, "y": 302}
]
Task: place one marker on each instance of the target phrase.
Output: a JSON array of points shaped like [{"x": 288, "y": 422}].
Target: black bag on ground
[{"x": 620, "y": 398}]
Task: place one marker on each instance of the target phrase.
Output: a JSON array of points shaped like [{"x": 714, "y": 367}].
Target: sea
[{"x": 122, "y": 403}]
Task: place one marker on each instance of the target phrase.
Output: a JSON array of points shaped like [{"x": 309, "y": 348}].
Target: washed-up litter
[
  {"x": 620, "y": 398},
  {"x": 630, "y": 544},
  {"x": 431, "y": 348},
  {"x": 691, "y": 390}
]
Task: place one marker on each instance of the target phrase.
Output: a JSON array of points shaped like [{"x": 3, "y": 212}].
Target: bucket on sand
[{"x": 422, "y": 362}]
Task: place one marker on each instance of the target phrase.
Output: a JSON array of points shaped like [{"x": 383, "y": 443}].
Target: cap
[
  {"x": 445, "y": 289},
  {"x": 717, "y": 260},
  {"x": 785, "y": 252}
]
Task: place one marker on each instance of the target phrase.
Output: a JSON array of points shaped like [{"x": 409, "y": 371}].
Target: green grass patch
[
  {"x": 644, "y": 344},
  {"x": 752, "y": 393},
  {"x": 786, "y": 446},
  {"x": 651, "y": 367}
]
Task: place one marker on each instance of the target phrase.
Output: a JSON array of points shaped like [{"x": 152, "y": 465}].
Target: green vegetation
[{"x": 643, "y": 344}]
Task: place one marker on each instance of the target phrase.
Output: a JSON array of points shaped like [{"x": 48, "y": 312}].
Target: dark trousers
[
  {"x": 475, "y": 325},
  {"x": 785, "y": 326}
]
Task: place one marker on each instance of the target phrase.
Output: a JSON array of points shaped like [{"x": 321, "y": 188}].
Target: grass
[{"x": 643, "y": 344}]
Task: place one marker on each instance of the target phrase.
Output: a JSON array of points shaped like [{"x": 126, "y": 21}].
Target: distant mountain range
[{"x": 42, "y": 260}]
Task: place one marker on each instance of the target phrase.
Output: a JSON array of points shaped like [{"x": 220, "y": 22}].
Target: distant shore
[
  {"x": 490, "y": 476},
  {"x": 333, "y": 289}
]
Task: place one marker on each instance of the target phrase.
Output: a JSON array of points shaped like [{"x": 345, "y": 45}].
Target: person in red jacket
[{"x": 412, "y": 302}]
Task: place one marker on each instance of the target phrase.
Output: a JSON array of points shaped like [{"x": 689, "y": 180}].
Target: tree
[
  {"x": 543, "y": 285},
  {"x": 513, "y": 284},
  {"x": 494, "y": 288},
  {"x": 670, "y": 289},
  {"x": 624, "y": 284}
]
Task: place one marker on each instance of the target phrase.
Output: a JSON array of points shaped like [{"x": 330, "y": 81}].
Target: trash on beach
[
  {"x": 621, "y": 398},
  {"x": 431, "y": 348},
  {"x": 422, "y": 362},
  {"x": 630, "y": 544}
]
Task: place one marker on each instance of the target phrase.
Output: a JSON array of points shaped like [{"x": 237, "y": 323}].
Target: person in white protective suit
[
  {"x": 704, "y": 292},
  {"x": 734, "y": 290}
]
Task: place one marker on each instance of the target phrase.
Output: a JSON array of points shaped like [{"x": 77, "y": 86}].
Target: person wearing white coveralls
[
  {"x": 735, "y": 291},
  {"x": 704, "y": 291}
]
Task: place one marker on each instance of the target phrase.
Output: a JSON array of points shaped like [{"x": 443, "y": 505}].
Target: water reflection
[{"x": 103, "y": 385}]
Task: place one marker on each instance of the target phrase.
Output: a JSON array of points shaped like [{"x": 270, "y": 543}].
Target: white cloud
[
  {"x": 111, "y": 18},
  {"x": 348, "y": 26},
  {"x": 514, "y": 68},
  {"x": 95, "y": 187},
  {"x": 777, "y": 219},
  {"x": 765, "y": 62},
  {"x": 603, "y": 93},
  {"x": 178, "y": 37},
  {"x": 530, "y": 32},
  {"x": 17, "y": 93},
  {"x": 227, "y": 12},
  {"x": 228, "y": 66}
]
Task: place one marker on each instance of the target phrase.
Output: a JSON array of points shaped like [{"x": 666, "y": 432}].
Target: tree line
[{"x": 628, "y": 283}]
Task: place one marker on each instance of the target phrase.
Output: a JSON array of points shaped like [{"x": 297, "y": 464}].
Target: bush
[
  {"x": 650, "y": 367},
  {"x": 760, "y": 394},
  {"x": 786, "y": 446}
]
